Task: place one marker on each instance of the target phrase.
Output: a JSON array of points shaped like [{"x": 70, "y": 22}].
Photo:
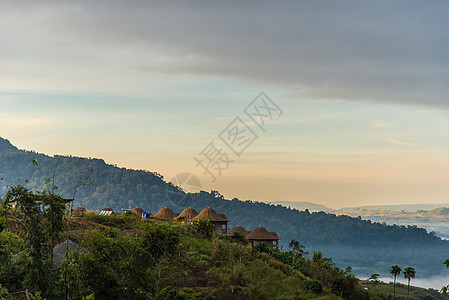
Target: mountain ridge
[{"x": 350, "y": 241}]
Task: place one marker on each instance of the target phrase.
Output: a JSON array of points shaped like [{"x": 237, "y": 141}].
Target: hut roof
[
  {"x": 239, "y": 229},
  {"x": 274, "y": 235},
  {"x": 223, "y": 216},
  {"x": 137, "y": 210},
  {"x": 107, "y": 209},
  {"x": 60, "y": 250},
  {"x": 165, "y": 214},
  {"x": 261, "y": 233},
  {"x": 211, "y": 215},
  {"x": 79, "y": 211},
  {"x": 188, "y": 214}
]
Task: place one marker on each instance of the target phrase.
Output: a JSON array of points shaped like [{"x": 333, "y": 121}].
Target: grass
[{"x": 386, "y": 289}]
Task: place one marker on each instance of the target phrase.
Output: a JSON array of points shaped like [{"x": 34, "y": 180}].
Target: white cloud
[{"x": 393, "y": 52}]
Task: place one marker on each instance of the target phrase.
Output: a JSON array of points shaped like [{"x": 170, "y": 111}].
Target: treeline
[{"x": 363, "y": 244}]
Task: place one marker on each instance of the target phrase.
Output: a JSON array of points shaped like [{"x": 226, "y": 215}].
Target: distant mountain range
[
  {"x": 368, "y": 247},
  {"x": 397, "y": 207},
  {"x": 304, "y": 205}
]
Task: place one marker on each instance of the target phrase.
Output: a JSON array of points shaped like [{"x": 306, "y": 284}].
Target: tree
[
  {"x": 374, "y": 278},
  {"x": 317, "y": 256},
  {"x": 444, "y": 290},
  {"x": 409, "y": 273},
  {"x": 395, "y": 271},
  {"x": 297, "y": 248},
  {"x": 42, "y": 222}
]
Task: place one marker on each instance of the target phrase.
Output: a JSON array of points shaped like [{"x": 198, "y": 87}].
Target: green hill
[
  {"x": 368, "y": 247},
  {"x": 127, "y": 257}
]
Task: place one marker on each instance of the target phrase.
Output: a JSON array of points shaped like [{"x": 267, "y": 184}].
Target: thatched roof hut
[
  {"x": 262, "y": 234},
  {"x": 59, "y": 252},
  {"x": 78, "y": 212},
  {"x": 239, "y": 229},
  {"x": 165, "y": 214},
  {"x": 107, "y": 209},
  {"x": 188, "y": 214},
  {"x": 223, "y": 216},
  {"x": 211, "y": 215},
  {"x": 138, "y": 210}
]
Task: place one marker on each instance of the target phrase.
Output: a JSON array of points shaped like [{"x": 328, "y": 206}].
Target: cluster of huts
[{"x": 191, "y": 215}]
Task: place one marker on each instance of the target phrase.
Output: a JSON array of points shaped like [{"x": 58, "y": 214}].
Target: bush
[
  {"x": 313, "y": 286},
  {"x": 170, "y": 293}
]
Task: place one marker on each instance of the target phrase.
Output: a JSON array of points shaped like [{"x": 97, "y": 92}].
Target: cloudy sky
[{"x": 363, "y": 87}]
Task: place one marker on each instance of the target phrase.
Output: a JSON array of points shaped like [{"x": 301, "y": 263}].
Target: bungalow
[
  {"x": 138, "y": 211},
  {"x": 262, "y": 235},
  {"x": 239, "y": 229},
  {"x": 219, "y": 221},
  {"x": 79, "y": 212},
  {"x": 187, "y": 214},
  {"x": 165, "y": 214}
]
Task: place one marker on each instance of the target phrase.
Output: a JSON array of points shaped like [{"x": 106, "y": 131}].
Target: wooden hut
[
  {"x": 138, "y": 211},
  {"x": 219, "y": 221},
  {"x": 239, "y": 229},
  {"x": 79, "y": 212},
  {"x": 262, "y": 235},
  {"x": 188, "y": 214},
  {"x": 165, "y": 214}
]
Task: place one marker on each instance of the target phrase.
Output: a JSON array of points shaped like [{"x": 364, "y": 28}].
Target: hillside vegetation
[
  {"x": 127, "y": 257},
  {"x": 368, "y": 247}
]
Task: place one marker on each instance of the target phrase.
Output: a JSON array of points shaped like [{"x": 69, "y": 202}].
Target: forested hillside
[{"x": 368, "y": 247}]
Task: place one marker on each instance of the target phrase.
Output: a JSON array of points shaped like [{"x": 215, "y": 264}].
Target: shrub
[{"x": 313, "y": 286}]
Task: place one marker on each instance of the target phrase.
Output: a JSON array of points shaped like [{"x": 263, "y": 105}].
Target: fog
[{"x": 435, "y": 282}]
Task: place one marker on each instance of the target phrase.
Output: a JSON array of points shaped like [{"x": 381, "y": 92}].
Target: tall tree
[
  {"x": 41, "y": 224},
  {"x": 409, "y": 273},
  {"x": 395, "y": 271}
]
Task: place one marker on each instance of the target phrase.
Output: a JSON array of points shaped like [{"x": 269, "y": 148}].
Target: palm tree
[
  {"x": 409, "y": 273},
  {"x": 444, "y": 291},
  {"x": 395, "y": 271}
]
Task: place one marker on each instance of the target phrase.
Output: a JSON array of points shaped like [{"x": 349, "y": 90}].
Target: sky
[{"x": 358, "y": 92}]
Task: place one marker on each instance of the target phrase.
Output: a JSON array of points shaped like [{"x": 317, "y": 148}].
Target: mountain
[
  {"x": 368, "y": 247},
  {"x": 398, "y": 207},
  {"x": 304, "y": 205}
]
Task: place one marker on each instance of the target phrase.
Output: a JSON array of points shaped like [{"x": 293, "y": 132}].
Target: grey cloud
[{"x": 387, "y": 51}]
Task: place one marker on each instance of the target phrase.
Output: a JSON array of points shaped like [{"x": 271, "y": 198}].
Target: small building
[
  {"x": 187, "y": 214},
  {"x": 165, "y": 214},
  {"x": 138, "y": 211},
  {"x": 107, "y": 212},
  {"x": 219, "y": 221},
  {"x": 238, "y": 229},
  {"x": 262, "y": 235},
  {"x": 79, "y": 212}
]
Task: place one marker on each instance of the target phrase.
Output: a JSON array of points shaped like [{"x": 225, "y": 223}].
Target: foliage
[
  {"x": 42, "y": 221},
  {"x": 204, "y": 227},
  {"x": 313, "y": 286},
  {"x": 348, "y": 240},
  {"x": 170, "y": 293},
  {"x": 261, "y": 247},
  {"x": 12, "y": 258}
]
